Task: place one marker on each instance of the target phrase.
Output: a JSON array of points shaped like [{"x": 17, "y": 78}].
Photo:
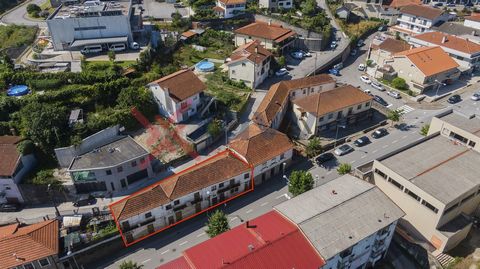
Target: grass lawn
[
  {"x": 187, "y": 55},
  {"x": 231, "y": 95},
  {"x": 124, "y": 64},
  {"x": 358, "y": 29},
  {"x": 14, "y": 36},
  {"x": 47, "y": 6}
]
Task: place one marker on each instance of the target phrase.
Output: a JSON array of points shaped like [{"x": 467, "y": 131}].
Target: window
[
  {"x": 359, "y": 106},
  {"x": 134, "y": 163},
  {"x": 220, "y": 185},
  {"x": 214, "y": 187},
  {"x": 8, "y": 188},
  {"x": 320, "y": 119},
  {"x": 293, "y": 93},
  {"x": 282, "y": 156},
  {"x": 367, "y": 104},
  {"x": 109, "y": 172},
  {"x": 142, "y": 160},
  {"x": 28, "y": 266},
  {"x": 458, "y": 137},
  {"x": 168, "y": 207},
  {"x": 350, "y": 109},
  {"x": 471, "y": 144},
  {"x": 120, "y": 169},
  {"x": 246, "y": 175},
  {"x": 330, "y": 115},
  {"x": 148, "y": 215},
  {"x": 395, "y": 183},
  {"x": 233, "y": 72},
  {"x": 467, "y": 198},
  {"x": 380, "y": 173},
  {"x": 90, "y": 28},
  {"x": 176, "y": 202},
  {"x": 412, "y": 194},
  {"x": 244, "y": 64},
  {"x": 44, "y": 262},
  {"x": 430, "y": 206}
]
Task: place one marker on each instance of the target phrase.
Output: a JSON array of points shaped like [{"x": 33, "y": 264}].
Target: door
[
  {"x": 171, "y": 220},
  {"x": 222, "y": 196},
  {"x": 178, "y": 215},
  {"x": 125, "y": 226},
  {"x": 272, "y": 172},
  {"x": 246, "y": 186},
  {"x": 198, "y": 207},
  {"x": 150, "y": 228}
]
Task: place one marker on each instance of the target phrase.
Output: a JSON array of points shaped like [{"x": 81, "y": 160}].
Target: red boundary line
[{"x": 227, "y": 151}]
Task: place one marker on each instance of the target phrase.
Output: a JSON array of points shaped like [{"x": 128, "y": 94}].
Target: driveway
[{"x": 19, "y": 15}]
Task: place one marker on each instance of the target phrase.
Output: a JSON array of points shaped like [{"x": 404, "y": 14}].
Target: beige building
[
  {"x": 435, "y": 180},
  {"x": 425, "y": 68},
  {"x": 416, "y": 19},
  {"x": 272, "y": 36},
  {"x": 382, "y": 51},
  {"x": 325, "y": 110},
  {"x": 249, "y": 63}
]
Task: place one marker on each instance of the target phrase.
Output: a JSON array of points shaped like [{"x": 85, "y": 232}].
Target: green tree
[
  {"x": 139, "y": 98},
  {"x": 33, "y": 9},
  {"x": 281, "y": 61},
  {"x": 130, "y": 265},
  {"x": 214, "y": 128},
  {"x": 395, "y": 115},
  {"x": 300, "y": 182},
  {"x": 217, "y": 224},
  {"x": 399, "y": 84},
  {"x": 344, "y": 168},
  {"x": 111, "y": 55},
  {"x": 424, "y": 130},
  {"x": 26, "y": 147},
  {"x": 314, "y": 147},
  {"x": 308, "y": 7}
]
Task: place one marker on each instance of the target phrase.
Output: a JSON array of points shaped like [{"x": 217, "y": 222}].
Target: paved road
[
  {"x": 19, "y": 16},
  {"x": 161, "y": 10}
]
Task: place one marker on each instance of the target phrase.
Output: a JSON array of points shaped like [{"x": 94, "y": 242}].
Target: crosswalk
[{"x": 405, "y": 109}]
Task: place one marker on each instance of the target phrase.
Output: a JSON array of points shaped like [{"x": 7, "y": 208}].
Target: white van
[
  {"x": 118, "y": 47},
  {"x": 91, "y": 49}
]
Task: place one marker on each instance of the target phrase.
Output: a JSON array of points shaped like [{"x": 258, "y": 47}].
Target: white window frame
[{"x": 44, "y": 265}]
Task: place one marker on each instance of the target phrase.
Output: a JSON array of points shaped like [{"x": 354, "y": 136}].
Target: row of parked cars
[{"x": 91, "y": 49}]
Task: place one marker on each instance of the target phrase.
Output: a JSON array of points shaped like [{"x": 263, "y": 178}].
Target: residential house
[
  {"x": 416, "y": 19},
  {"x": 346, "y": 11},
  {"x": 249, "y": 63},
  {"x": 271, "y": 36},
  {"x": 268, "y": 241},
  {"x": 267, "y": 150},
  {"x": 398, "y": 4},
  {"x": 274, "y": 105},
  {"x": 30, "y": 246},
  {"x": 13, "y": 167},
  {"x": 425, "y": 68},
  {"x": 381, "y": 52},
  {"x": 178, "y": 95},
  {"x": 458, "y": 29},
  {"x": 112, "y": 166},
  {"x": 181, "y": 196},
  {"x": 325, "y": 110},
  {"x": 472, "y": 21},
  {"x": 276, "y": 4},
  {"x": 435, "y": 180},
  {"x": 350, "y": 222},
  {"x": 230, "y": 8},
  {"x": 465, "y": 52}
]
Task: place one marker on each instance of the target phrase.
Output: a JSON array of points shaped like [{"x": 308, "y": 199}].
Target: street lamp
[
  {"x": 53, "y": 201},
  {"x": 283, "y": 168},
  {"x": 336, "y": 134},
  {"x": 286, "y": 178}
]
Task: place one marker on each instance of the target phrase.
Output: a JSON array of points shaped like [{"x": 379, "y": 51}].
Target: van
[
  {"x": 117, "y": 47},
  {"x": 91, "y": 49}
]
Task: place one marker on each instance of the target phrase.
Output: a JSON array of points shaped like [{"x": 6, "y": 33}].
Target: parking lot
[{"x": 161, "y": 10}]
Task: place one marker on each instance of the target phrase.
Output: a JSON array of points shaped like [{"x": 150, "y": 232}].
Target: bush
[
  {"x": 26, "y": 147},
  {"x": 314, "y": 147},
  {"x": 214, "y": 128},
  {"x": 45, "y": 177},
  {"x": 399, "y": 84},
  {"x": 300, "y": 182},
  {"x": 424, "y": 130},
  {"x": 32, "y": 8},
  {"x": 344, "y": 168},
  {"x": 45, "y": 84},
  {"x": 217, "y": 224}
]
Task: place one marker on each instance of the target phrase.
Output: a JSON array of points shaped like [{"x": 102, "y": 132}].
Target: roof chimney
[
  {"x": 444, "y": 39},
  {"x": 256, "y": 49},
  {"x": 251, "y": 247}
]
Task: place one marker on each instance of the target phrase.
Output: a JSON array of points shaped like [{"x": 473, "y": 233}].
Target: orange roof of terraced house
[
  {"x": 422, "y": 11},
  {"x": 233, "y": 2},
  {"x": 429, "y": 60},
  {"x": 20, "y": 245},
  {"x": 403, "y": 3},
  {"x": 252, "y": 51},
  {"x": 449, "y": 41},
  {"x": 10, "y": 154},
  {"x": 181, "y": 84},
  {"x": 265, "y": 30}
]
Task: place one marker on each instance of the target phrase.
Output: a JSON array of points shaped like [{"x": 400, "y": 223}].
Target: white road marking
[
  {"x": 384, "y": 147},
  {"x": 200, "y": 235},
  {"x": 183, "y": 243},
  {"x": 375, "y": 151},
  {"x": 264, "y": 204},
  {"x": 165, "y": 251},
  {"x": 249, "y": 211},
  {"x": 406, "y": 109},
  {"x": 394, "y": 141},
  {"x": 234, "y": 218},
  {"x": 363, "y": 156},
  {"x": 147, "y": 260}
]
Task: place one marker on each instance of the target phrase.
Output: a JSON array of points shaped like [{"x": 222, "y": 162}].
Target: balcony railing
[{"x": 229, "y": 187}]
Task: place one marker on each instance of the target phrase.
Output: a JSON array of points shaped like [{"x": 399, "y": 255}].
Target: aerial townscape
[{"x": 256, "y": 134}]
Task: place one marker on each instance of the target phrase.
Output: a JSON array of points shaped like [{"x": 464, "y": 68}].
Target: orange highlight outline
[{"x": 227, "y": 151}]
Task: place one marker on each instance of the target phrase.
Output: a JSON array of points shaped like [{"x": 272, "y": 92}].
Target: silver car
[
  {"x": 393, "y": 94},
  {"x": 377, "y": 86},
  {"x": 344, "y": 149}
]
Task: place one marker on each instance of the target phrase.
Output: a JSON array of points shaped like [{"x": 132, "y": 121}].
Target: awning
[{"x": 98, "y": 41}]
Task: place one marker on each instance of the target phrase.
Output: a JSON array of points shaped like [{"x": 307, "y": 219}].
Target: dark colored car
[
  {"x": 380, "y": 100},
  {"x": 362, "y": 141},
  {"x": 379, "y": 133},
  {"x": 454, "y": 99},
  {"x": 10, "y": 207},
  {"x": 84, "y": 200},
  {"x": 325, "y": 157},
  {"x": 334, "y": 72}
]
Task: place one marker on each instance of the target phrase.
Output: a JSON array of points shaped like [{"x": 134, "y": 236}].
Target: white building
[
  {"x": 272, "y": 36},
  {"x": 249, "y": 63},
  {"x": 178, "y": 95},
  {"x": 91, "y": 23},
  {"x": 472, "y": 21},
  {"x": 13, "y": 167},
  {"x": 416, "y": 19},
  {"x": 348, "y": 221},
  {"x": 230, "y": 8},
  {"x": 276, "y": 4}
]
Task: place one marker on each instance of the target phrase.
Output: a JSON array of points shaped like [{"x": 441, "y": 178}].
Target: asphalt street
[{"x": 19, "y": 15}]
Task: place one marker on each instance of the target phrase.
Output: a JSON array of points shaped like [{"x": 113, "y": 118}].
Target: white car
[
  {"x": 377, "y": 86},
  {"x": 393, "y": 94},
  {"x": 360, "y": 43},
  {"x": 365, "y": 79},
  {"x": 281, "y": 72},
  {"x": 134, "y": 46},
  {"x": 367, "y": 91},
  {"x": 475, "y": 96},
  {"x": 361, "y": 67}
]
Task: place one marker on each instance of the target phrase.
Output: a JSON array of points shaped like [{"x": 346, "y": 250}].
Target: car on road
[
  {"x": 380, "y": 100},
  {"x": 178, "y": 5},
  {"x": 325, "y": 157},
  {"x": 367, "y": 91},
  {"x": 362, "y": 141},
  {"x": 134, "y": 46},
  {"x": 438, "y": 5},
  {"x": 365, "y": 79},
  {"x": 361, "y": 67},
  {"x": 281, "y": 72},
  {"x": 475, "y": 96},
  {"x": 377, "y": 85},
  {"x": 454, "y": 99},
  {"x": 353, "y": 52},
  {"x": 394, "y": 94},
  {"x": 451, "y": 5},
  {"x": 360, "y": 43},
  {"x": 338, "y": 66},
  {"x": 334, "y": 72},
  {"x": 382, "y": 28},
  {"x": 297, "y": 55},
  {"x": 334, "y": 44},
  {"x": 85, "y": 199},
  {"x": 343, "y": 149},
  {"x": 381, "y": 132},
  {"x": 10, "y": 207},
  {"x": 306, "y": 53}
]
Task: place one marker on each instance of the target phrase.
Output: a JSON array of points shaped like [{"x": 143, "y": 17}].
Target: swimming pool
[
  {"x": 18, "y": 90},
  {"x": 204, "y": 66}
]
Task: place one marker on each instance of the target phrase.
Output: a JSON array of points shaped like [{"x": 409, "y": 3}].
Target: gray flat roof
[
  {"x": 109, "y": 155},
  {"x": 470, "y": 124},
  {"x": 340, "y": 213},
  {"x": 438, "y": 166},
  {"x": 454, "y": 28},
  {"x": 97, "y": 41}
]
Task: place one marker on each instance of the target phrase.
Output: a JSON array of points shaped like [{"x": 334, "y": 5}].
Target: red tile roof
[
  {"x": 269, "y": 241},
  {"x": 189, "y": 33},
  {"x": 252, "y": 51},
  {"x": 429, "y": 60},
  {"x": 20, "y": 245},
  {"x": 264, "y": 30},
  {"x": 449, "y": 41},
  {"x": 233, "y": 2},
  {"x": 10, "y": 155},
  {"x": 422, "y": 11},
  {"x": 393, "y": 46},
  {"x": 403, "y": 3},
  {"x": 181, "y": 84}
]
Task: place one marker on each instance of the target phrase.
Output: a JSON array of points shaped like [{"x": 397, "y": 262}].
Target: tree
[
  {"x": 424, "y": 130},
  {"x": 308, "y": 7},
  {"x": 33, "y": 8},
  {"x": 300, "y": 182},
  {"x": 395, "y": 115},
  {"x": 344, "y": 168},
  {"x": 399, "y": 84},
  {"x": 26, "y": 147},
  {"x": 111, "y": 55},
  {"x": 281, "y": 61},
  {"x": 130, "y": 265},
  {"x": 217, "y": 224},
  {"x": 139, "y": 98},
  {"x": 214, "y": 128},
  {"x": 314, "y": 147}
]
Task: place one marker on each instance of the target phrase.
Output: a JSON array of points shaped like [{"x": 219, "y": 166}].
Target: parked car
[
  {"x": 394, "y": 94},
  {"x": 306, "y": 53},
  {"x": 297, "y": 55},
  {"x": 334, "y": 44},
  {"x": 178, "y": 5},
  {"x": 451, "y": 5},
  {"x": 338, "y": 66},
  {"x": 134, "y": 46},
  {"x": 334, "y": 72},
  {"x": 475, "y": 96},
  {"x": 281, "y": 72},
  {"x": 381, "y": 132},
  {"x": 438, "y": 5},
  {"x": 365, "y": 79},
  {"x": 469, "y": 4},
  {"x": 92, "y": 49},
  {"x": 117, "y": 47},
  {"x": 377, "y": 85},
  {"x": 360, "y": 43},
  {"x": 10, "y": 207},
  {"x": 353, "y": 52},
  {"x": 343, "y": 149},
  {"x": 362, "y": 141},
  {"x": 85, "y": 199},
  {"x": 367, "y": 91},
  {"x": 454, "y": 99},
  {"x": 361, "y": 67},
  {"x": 325, "y": 157},
  {"x": 380, "y": 100},
  {"x": 382, "y": 28}
]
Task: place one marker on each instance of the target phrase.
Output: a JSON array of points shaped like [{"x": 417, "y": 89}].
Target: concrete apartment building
[
  {"x": 250, "y": 63},
  {"x": 276, "y": 4},
  {"x": 271, "y": 36},
  {"x": 465, "y": 52},
  {"x": 90, "y": 22},
  {"x": 178, "y": 95},
  {"x": 230, "y": 8},
  {"x": 416, "y": 19},
  {"x": 325, "y": 110},
  {"x": 13, "y": 167},
  {"x": 348, "y": 221},
  {"x": 272, "y": 109},
  {"x": 425, "y": 68},
  {"x": 182, "y": 195},
  {"x": 435, "y": 180}
]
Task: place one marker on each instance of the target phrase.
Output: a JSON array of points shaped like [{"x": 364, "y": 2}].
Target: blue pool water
[
  {"x": 18, "y": 90},
  {"x": 205, "y": 66}
]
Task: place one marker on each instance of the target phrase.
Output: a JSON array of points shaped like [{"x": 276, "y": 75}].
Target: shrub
[
  {"x": 32, "y": 8},
  {"x": 26, "y": 147},
  {"x": 399, "y": 84},
  {"x": 217, "y": 224},
  {"x": 424, "y": 130},
  {"x": 344, "y": 168},
  {"x": 314, "y": 147},
  {"x": 300, "y": 182}
]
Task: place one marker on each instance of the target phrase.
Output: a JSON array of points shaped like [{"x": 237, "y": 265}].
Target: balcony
[
  {"x": 229, "y": 187},
  {"x": 180, "y": 207},
  {"x": 148, "y": 221}
]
